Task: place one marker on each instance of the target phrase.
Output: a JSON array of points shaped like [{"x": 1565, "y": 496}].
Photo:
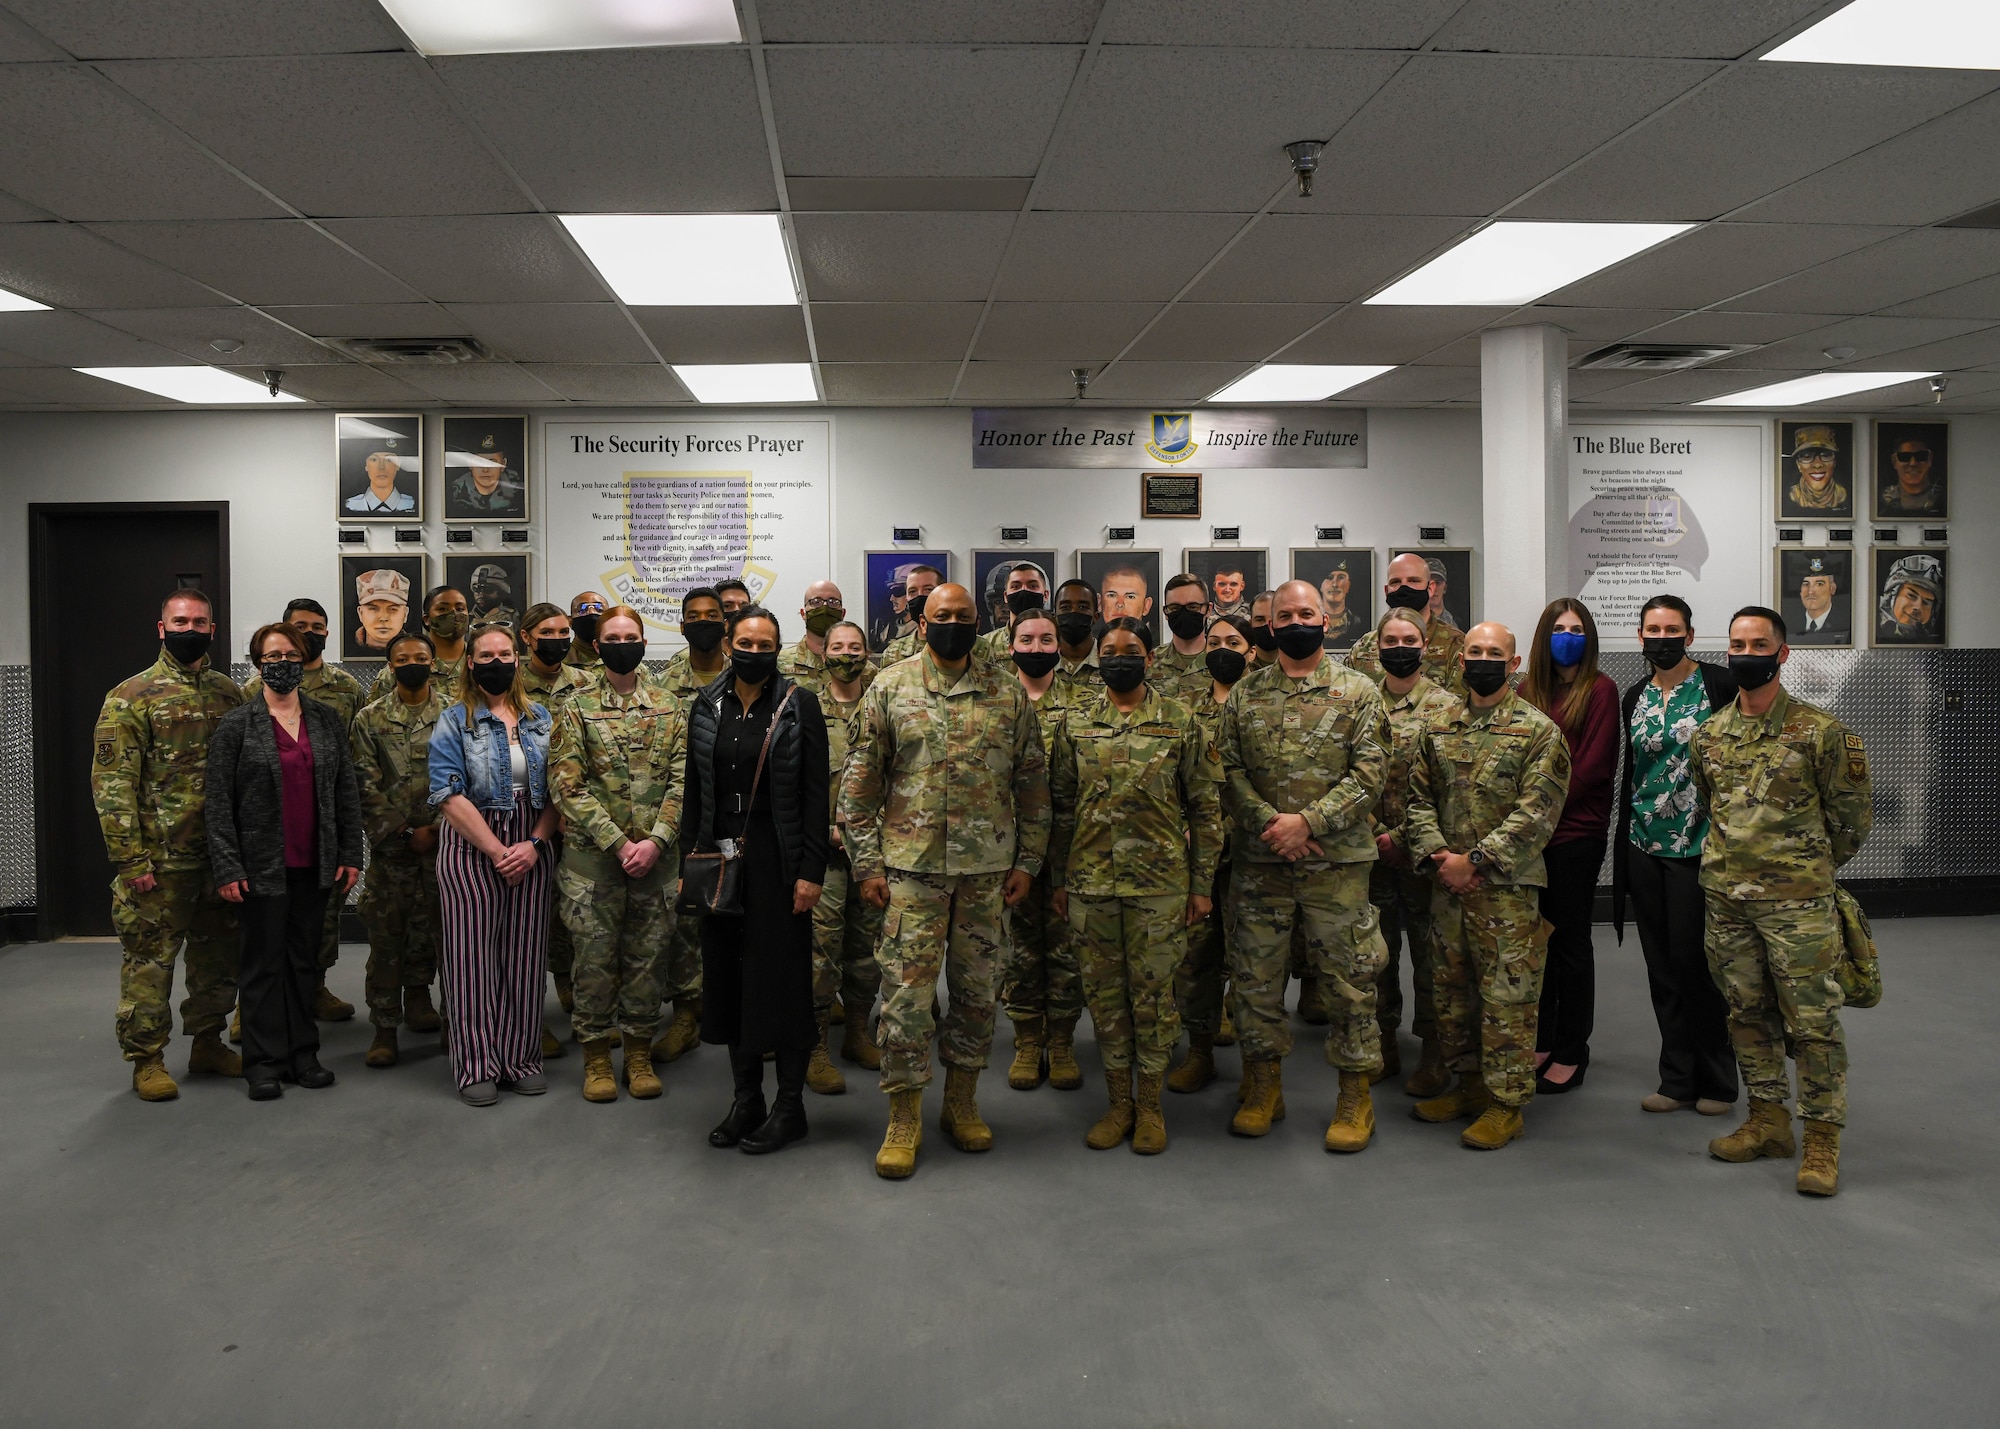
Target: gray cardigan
[{"x": 246, "y": 827}]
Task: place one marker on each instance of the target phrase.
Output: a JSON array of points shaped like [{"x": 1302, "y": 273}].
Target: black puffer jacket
[{"x": 797, "y": 783}]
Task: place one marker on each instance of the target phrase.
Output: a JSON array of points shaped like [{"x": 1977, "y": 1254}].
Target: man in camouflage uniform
[
  {"x": 586, "y": 608},
  {"x": 391, "y": 745},
  {"x": 1487, "y": 785},
  {"x": 946, "y": 803},
  {"x": 1304, "y": 753},
  {"x": 617, "y": 763},
  {"x": 1076, "y": 633},
  {"x": 918, "y": 583},
  {"x": 823, "y": 608},
  {"x": 1789, "y": 801},
  {"x": 1180, "y": 667},
  {"x": 1025, "y": 588},
  {"x": 1411, "y": 585},
  {"x": 1042, "y": 986},
  {"x": 147, "y": 778}
]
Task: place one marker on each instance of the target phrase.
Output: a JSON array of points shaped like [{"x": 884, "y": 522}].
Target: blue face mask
[{"x": 1566, "y": 647}]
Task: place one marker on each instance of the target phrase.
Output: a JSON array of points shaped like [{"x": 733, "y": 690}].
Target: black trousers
[
  {"x": 1569, "y": 982},
  {"x": 278, "y": 974},
  {"x": 1695, "y": 1055}
]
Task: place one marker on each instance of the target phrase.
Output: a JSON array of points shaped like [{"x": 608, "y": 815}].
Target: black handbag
[{"x": 712, "y": 882}]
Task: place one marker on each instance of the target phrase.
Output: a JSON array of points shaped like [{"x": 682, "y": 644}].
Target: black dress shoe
[
  {"x": 1546, "y": 1088},
  {"x": 786, "y": 1124},
  {"x": 264, "y": 1089},
  {"x": 745, "y": 1116},
  {"x": 313, "y": 1076}
]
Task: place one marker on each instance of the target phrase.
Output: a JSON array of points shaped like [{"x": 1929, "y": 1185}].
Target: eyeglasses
[
  {"x": 279, "y": 657},
  {"x": 823, "y": 602},
  {"x": 1913, "y": 456},
  {"x": 593, "y": 608},
  {"x": 1815, "y": 454}
]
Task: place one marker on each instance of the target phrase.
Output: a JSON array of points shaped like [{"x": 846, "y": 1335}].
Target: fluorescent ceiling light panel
[
  {"x": 689, "y": 260},
  {"x": 749, "y": 381},
  {"x": 190, "y": 384},
  {"x": 15, "y": 303},
  {"x": 1820, "y": 387},
  {"x": 489, "y": 27},
  {"x": 1294, "y": 382},
  {"x": 1507, "y": 264},
  {"x": 1920, "y": 34}
]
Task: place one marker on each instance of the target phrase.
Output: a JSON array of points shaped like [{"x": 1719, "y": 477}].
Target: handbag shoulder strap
[{"x": 765, "y": 753}]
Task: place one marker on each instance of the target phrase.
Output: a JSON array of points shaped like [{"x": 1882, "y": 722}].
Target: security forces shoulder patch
[{"x": 105, "y": 753}]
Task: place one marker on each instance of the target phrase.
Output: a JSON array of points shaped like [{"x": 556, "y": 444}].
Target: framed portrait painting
[
  {"x": 494, "y": 584},
  {"x": 379, "y": 594},
  {"x": 380, "y": 461},
  {"x": 1815, "y": 470},
  {"x": 991, "y": 570},
  {"x": 1233, "y": 575},
  {"x": 1911, "y": 595},
  {"x": 884, "y": 574},
  {"x": 1912, "y": 471},
  {"x": 1345, "y": 576},
  {"x": 1127, "y": 582},
  {"x": 486, "y": 468},
  {"x": 1815, "y": 594}
]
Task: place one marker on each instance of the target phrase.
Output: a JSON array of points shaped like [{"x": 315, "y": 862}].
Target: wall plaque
[{"x": 1175, "y": 494}]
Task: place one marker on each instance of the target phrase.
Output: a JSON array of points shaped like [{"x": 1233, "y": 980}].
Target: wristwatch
[{"x": 1477, "y": 858}]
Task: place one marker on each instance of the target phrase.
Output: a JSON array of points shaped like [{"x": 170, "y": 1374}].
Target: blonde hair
[{"x": 470, "y": 695}]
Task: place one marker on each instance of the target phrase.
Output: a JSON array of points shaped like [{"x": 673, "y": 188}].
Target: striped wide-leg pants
[{"x": 493, "y": 954}]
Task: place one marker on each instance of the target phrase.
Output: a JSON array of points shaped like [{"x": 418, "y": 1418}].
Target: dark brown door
[{"x": 97, "y": 574}]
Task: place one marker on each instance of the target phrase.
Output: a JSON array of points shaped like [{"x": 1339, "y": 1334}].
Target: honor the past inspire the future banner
[{"x": 1199, "y": 438}]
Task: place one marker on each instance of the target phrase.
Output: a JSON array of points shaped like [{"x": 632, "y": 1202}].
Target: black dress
[{"x": 756, "y": 970}]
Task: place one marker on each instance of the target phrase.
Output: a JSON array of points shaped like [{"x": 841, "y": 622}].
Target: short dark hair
[
  {"x": 186, "y": 592},
  {"x": 433, "y": 593},
  {"x": 389, "y": 650},
  {"x": 1668, "y": 602},
  {"x": 282, "y": 628},
  {"x": 1127, "y": 622},
  {"x": 1762, "y": 612},
  {"x": 704, "y": 592},
  {"x": 1239, "y": 623},
  {"x": 1079, "y": 584},
  {"x": 752, "y": 612},
  {"x": 304, "y": 602},
  {"x": 1183, "y": 580},
  {"x": 731, "y": 584},
  {"x": 914, "y": 569}
]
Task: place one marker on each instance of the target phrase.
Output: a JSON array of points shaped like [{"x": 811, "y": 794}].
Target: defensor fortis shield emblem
[
  {"x": 683, "y": 530},
  {"x": 1173, "y": 437}
]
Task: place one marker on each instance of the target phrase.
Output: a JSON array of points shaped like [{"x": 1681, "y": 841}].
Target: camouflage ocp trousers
[
  {"x": 1329, "y": 903},
  {"x": 1042, "y": 977},
  {"x": 151, "y": 927},
  {"x": 620, "y": 928},
  {"x": 1774, "y": 960},
  {"x": 682, "y": 973},
  {"x": 846, "y": 928},
  {"x": 1402, "y": 902},
  {"x": 1129, "y": 949},
  {"x": 399, "y": 905},
  {"x": 1198, "y": 980},
  {"x": 1491, "y": 945},
  {"x": 938, "y": 925}
]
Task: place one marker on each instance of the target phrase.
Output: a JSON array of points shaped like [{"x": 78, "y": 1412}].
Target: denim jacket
[{"x": 476, "y": 763}]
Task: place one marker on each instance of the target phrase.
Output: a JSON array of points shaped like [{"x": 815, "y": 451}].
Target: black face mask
[
  {"x": 1020, "y": 600},
  {"x": 753, "y": 667},
  {"x": 1663, "y": 652},
  {"x": 1073, "y": 629},
  {"x": 553, "y": 650},
  {"x": 1035, "y": 663},
  {"x": 702, "y": 635},
  {"x": 187, "y": 646},
  {"x": 1226, "y": 665},
  {"x": 914, "y": 610},
  {"x": 1402, "y": 661},
  {"x": 1300, "y": 641},
  {"x": 950, "y": 639},
  {"x": 315, "y": 644},
  {"x": 496, "y": 677},
  {"x": 1122, "y": 673},
  {"x": 1753, "y": 672},
  {"x": 584, "y": 627},
  {"x": 1185, "y": 621},
  {"x": 413, "y": 677},
  {"x": 1407, "y": 597},
  {"x": 1485, "y": 677},
  {"x": 1264, "y": 638},
  {"x": 283, "y": 676},
  {"x": 622, "y": 657}
]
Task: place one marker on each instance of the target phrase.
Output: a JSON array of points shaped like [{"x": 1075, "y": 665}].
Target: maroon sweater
[{"x": 1593, "y": 766}]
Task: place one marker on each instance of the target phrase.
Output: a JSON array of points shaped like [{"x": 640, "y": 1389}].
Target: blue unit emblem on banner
[{"x": 1173, "y": 437}]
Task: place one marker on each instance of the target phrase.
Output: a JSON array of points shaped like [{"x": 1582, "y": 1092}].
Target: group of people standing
[{"x": 1053, "y": 816}]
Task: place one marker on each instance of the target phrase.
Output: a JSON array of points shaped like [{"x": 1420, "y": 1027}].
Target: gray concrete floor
[{"x": 380, "y": 1254}]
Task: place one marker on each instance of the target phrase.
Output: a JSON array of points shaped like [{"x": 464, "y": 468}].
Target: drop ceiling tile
[
  {"x": 1322, "y": 258},
  {"x": 1977, "y": 299},
  {"x": 370, "y": 320},
  {"x": 1921, "y": 262},
  {"x": 192, "y": 332},
  {"x": 17, "y": 46},
  {"x": 64, "y": 339},
  {"x": 71, "y": 267},
  {"x": 1711, "y": 29},
  {"x": 1182, "y": 129},
  {"x": 46, "y": 386},
  {"x": 1595, "y": 384},
  {"x": 81, "y": 150},
  {"x": 1431, "y": 141},
  {"x": 1418, "y": 384},
  {"x": 1060, "y": 332},
  {"x": 13, "y": 210},
  {"x": 900, "y": 257},
  {"x": 1225, "y": 332},
  {"x": 1361, "y": 334},
  {"x": 1281, "y": 24},
  {"x": 478, "y": 382},
  {"x": 554, "y": 332},
  {"x": 1144, "y": 382},
  {"x": 920, "y": 110},
  {"x": 663, "y": 130},
  {"x": 1953, "y": 354},
  {"x": 1591, "y": 327},
  {"x": 260, "y": 260},
  {"x": 346, "y": 382},
  {"x": 490, "y": 258},
  {"x": 1735, "y": 328},
  {"x": 159, "y": 29},
  {"x": 977, "y": 22},
  {"x": 902, "y": 333},
  {"x": 1015, "y": 382},
  {"x": 1716, "y": 262},
  {"x": 1107, "y": 257},
  {"x": 903, "y": 194},
  {"x": 888, "y": 381},
  {"x": 1931, "y": 173},
  {"x": 1755, "y": 128},
  {"x": 1870, "y": 337},
  {"x": 612, "y": 382},
  {"x": 330, "y": 134},
  {"x": 726, "y": 334}
]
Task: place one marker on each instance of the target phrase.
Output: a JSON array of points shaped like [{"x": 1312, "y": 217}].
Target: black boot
[
  {"x": 746, "y": 1112},
  {"x": 787, "y": 1122}
]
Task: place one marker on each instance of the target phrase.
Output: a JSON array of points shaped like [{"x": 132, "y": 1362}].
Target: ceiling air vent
[
  {"x": 1657, "y": 356},
  {"x": 423, "y": 351}
]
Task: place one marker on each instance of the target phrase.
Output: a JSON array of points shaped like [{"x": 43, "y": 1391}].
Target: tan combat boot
[
  {"x": 1313, "y": 1000},
  {"x": 383, "y": 1052},
  {"x": 551, "y": 1045},
  {"x": 328, "y": 1008},
  {"x": 1392, "y": 1058},
  {"x": 960, "y": 1119},
  {"x": 1197, "y": 1069},
  {"x": 418, "y": 1014},
  {"x": 1116, "y": 1123},
  {"x": 821, "y": 1075},
  {"x": 565, "y": 993},
  {"x": 1468, "y": 1099},
  {"x": 1025, "y": 1073},
  {"x": 1225, "y": 1032},
  {"x": 856, "y": 1045},
  {"x": 1064, "y": 1074},
  {"x": 600, "y": 1083},
  {"x": 1766, "y": 1131},
  {"x": 898, "y": 1156},
  {"x": 640, "y": 1078},
  {"x": 236, "y": 1025},
  {"x": 1819, "y": 1168},
  {"x": 209, "y": 1055},
  {"x": 1431, "y": 1075},
  {"x": 683, "y": 1034},
  {"x": 1264, "y": 1101},
  {"x": 1497, "y": 1126},
  {"x": 836, "y": 1014},
  {"x": 1149, "y": 1129},
  {"x": 1353, "y": 1124},
  {"x": 150, "y": 1080}
]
